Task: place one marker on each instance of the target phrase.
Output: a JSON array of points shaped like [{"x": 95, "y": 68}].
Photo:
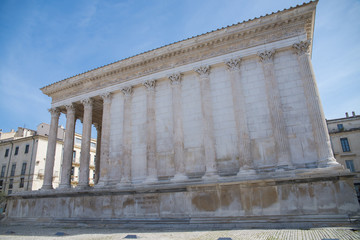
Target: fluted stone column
[
  {"x": 98, "y": 153},
  {"x": 127, "y": 138},
  {"x": 151, "y": 167},
  {"x": 316, "y": 113},
  {"x": 282, "y": 146},
  {"x": 65, "y": 181},
  {"x": 207, "y": 121},
  {"x": 51, "y": 148},
  {"x": 104, "y": 144},
  {"x": 178, "y": 130},
  {"x": 85, "y": 144},
  {"x": 243, "y": 138}
]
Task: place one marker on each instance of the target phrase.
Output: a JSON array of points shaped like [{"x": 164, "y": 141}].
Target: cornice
[
  {"x": 347, "y": 119},
  {"x": 20, "y": 139},
  {"x": 262, "y": 30},
  {"x": 344, "y": 131}
]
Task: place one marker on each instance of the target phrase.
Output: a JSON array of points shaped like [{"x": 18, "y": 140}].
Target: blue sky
[{"x": 45, "y": 41}]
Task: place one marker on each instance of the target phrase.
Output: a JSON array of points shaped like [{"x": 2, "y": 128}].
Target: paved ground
[{"x": 82, "y": 233}]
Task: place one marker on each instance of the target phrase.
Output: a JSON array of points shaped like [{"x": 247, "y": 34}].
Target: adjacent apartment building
[
  {"x": 345, "y": 141},
  {"x": 23, "y": 154}
]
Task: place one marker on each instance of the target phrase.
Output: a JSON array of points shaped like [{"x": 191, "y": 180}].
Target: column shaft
[
  {"x": 243, "y": 138},
  {"x": 207, "y": 120},
  {"x": 51, "y": 148},
  {"x": 150, "y": 131},
  {"x": 104, "y": 144},
  {"x": 127, "y": 138},
  {"x": 98, "y": 153},
  {"x": 68, "y": 147},
  {"x": 85, "y": 144},
  {"x": 316, "y": 113},
  {"x": 282, "y": 146},
  {"x": 178, "y": 137}
]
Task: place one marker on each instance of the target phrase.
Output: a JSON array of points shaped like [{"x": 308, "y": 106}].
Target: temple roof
[{"x": 177, "y": 47}]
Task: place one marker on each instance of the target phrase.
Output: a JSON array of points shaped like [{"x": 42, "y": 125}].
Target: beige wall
[
  {"x": 76, "y": 161},
  {"x": 35, "y": 162},
  {"x": 350, "y": 131},
  {"x": 5, "y": 135},
  {"x": 18, "y": 160}
]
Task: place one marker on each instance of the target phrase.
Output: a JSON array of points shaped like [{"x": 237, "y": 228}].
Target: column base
[
  {"x": 47, "y": 187},
  {"x": 106, "y": 185},
  {"x": 210, "y": 175},
  {"x": 284, "y": 167},
  {"x": 150, "y": 179},
  {"x": 64, "y": 186},
  {"x": 82, "y": 187},
  {"x": 244, "y": 172},
  {"x": 179, "y": 177},
  {"x": 329, "y": 162},
  {"x": 100, "y": 185},
  {"x": 124, "y": 182}
]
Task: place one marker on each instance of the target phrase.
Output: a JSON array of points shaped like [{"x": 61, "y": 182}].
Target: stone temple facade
[{"x": 224, "y": 127}]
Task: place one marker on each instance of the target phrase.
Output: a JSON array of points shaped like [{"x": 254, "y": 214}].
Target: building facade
[
  {"x": 23, "y": 155},
  {"x": 219, "y": 128},
  {"x": 345, "y": 141}
]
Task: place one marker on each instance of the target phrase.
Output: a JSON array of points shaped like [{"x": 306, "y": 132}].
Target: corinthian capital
[
  {"x": 55, "y": 112},
  {"x": 70, "y": 108},
  {"x": 97, "y": 127},
  {"x": 302, "y": 47},
  {"x": 87, "y": 102},
  {"x": 266, "y": 56},
  {"x": 203, "y": 71},
  {"x": 175, "y": 78},
  {"x": 127, "y": 91},
  {"x": 150, "y": 85},
  {"x": 233, "y": 64},
  {"x": 106, "y": 97}
]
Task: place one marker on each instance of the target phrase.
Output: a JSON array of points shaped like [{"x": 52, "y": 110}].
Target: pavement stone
[{"x": 81, "y": 233}]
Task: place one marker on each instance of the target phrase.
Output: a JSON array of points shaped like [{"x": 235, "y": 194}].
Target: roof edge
[{"x": 44, "y": 89}]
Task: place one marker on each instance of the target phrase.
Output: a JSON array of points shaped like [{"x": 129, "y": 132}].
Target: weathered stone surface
[
  {"x": 225, "y": 201},
  {"x": 208, "y": 139}
]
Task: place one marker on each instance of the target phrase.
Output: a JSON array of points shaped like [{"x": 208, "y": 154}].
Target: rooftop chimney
[
  {"x": 353, "y": 113},
  {"x": 346, "y": 114}
]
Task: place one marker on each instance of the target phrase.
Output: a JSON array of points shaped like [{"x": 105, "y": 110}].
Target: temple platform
[{"x": 303, "y": 198}]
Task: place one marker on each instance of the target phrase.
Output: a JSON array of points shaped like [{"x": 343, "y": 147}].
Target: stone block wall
[{"x": 307, "y": 198}]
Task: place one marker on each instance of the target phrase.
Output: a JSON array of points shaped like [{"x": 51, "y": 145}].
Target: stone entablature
[{"x": 268, "y": 29}]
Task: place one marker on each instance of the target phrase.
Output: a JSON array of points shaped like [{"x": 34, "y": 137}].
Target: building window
[
  {"x": 21, "y": 183},
  {"x": 23, "y": 168},
  {"x": 93, "y": 145},
  {"x": 11, "y": 183},
  {"x": 357, "y": 189},
  {"x": 16, "y": 150},
  {"x": 345, "y": 144},
  {"x": 6, "y": 152},
  {"x": 1, "y": 184},
  {"x": 74, "y": 156},
  {"x": 13, "y": 167},
  {"x": 340, "y": 127},
  {"x": 72, "y": 173},
  {"x": 94, "y": 160},
  {"x": 9, "y": 192},
  {"x": 27, "y": 148},
  {"x": 3, "y": 168},
  {"x": 350, "y": 165}
]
